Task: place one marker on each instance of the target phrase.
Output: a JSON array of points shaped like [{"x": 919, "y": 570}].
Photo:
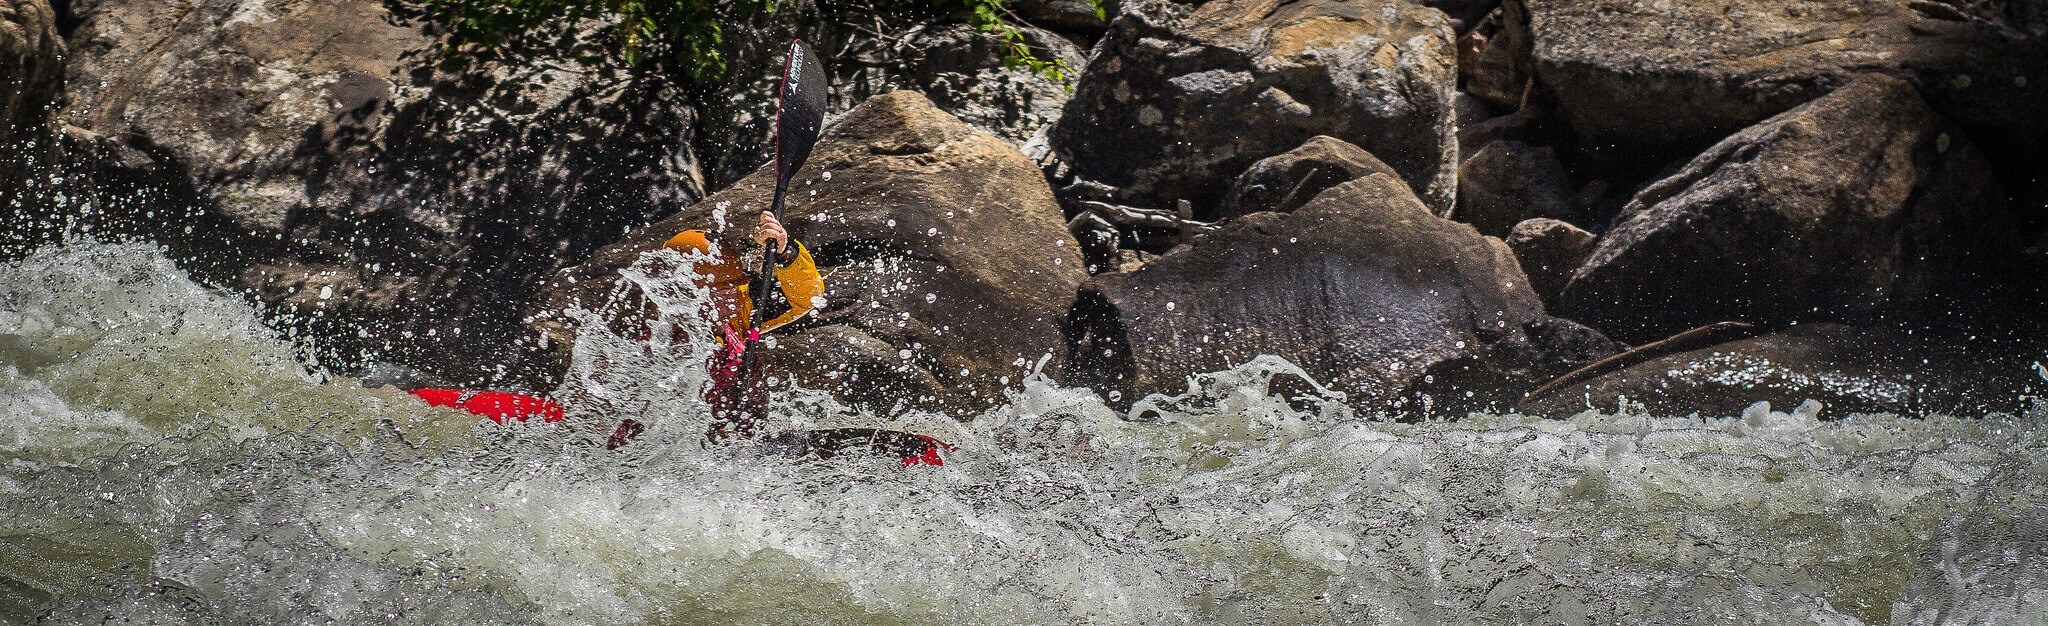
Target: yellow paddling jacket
[{"x": 729, "y": 280}]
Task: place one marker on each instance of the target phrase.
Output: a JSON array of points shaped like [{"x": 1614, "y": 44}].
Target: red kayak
[
  {"x": 497, "y": 405},
  {"x": 908, "y": 448}
]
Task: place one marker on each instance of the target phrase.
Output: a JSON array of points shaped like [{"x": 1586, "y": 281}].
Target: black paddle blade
[{"x": 802, "y": 110}]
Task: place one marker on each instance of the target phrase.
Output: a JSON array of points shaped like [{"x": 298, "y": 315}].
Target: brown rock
[
  {"x": 936, "y": 239},
  {"x": 1282, "y": 183},
  {"x": 229, "y": 90},
  {"x": 1848, "y": 369},
  {"x": 1363, "y": 287},
  {"x": 1857, "y": 206},
  {"x": 1495, "y": 66},
  {"x": 1177, "y": 101},
  {"x": 1659, "y": 80},
  {"x": 1549, "y": 250},
  {"x": 1510, "y": 181},
  {"x": 276, "y": 142}
]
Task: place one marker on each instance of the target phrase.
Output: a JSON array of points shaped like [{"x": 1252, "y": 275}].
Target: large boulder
[
  {"x": 1857, "y": 206},
  {"x": 1363, "y": 287},
  {"x": 229, "y": 90},
  {"x": 1549, "y": 250},
  {"x": 309, "y": 154},
  {"x": 1508, "y": 181},
  {"x": 1285, "y": 182},
  {"x": 1657, "y": 79},
  {"x": 1848, "y": 369},
  {"x": 948, "y": 267},
  {"x": 1177, "y": 101},
  {"x": 31, "y": 73}
]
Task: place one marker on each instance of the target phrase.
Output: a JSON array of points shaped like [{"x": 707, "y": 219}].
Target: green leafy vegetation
[
  {"x": 680, "y": 34},
  {"x": 994, "y": 17},
  {"x": 685, "y": 37}
]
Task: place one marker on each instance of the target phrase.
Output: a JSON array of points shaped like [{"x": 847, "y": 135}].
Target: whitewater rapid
[{"x": 165, "y": 458}]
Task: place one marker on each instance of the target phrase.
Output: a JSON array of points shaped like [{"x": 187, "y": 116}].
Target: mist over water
[{"x": 168, "y": 459}]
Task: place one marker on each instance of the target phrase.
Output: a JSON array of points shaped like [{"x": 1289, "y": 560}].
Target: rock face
[
  {"x": 1696, "y": 71},
  {"x": 1176, "y": 102},
  {"x": 1362, "y": 286},
  {"x": 1848, "y": 369},
  {"x": 871, "y": 50},
  {"x": 1857, "y": 206},
  {"x": 229, "y": 90},
  {"x": 1285, "y": 182},
  {"x": 31, "y": 72},
  {"x": 397, "y": 211},
  {"x": 1549, "y": 250},
  {"x": 962, "y": 71},
  {"x": 1508, "y": 181},
  {"x": 937, "y": 240}
]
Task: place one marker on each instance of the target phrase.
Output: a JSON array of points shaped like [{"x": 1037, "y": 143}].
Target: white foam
[{"x": 240, "y": 489}]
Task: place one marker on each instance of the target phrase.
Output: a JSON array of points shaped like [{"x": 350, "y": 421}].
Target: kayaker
[{"x": 739, "y": 399}]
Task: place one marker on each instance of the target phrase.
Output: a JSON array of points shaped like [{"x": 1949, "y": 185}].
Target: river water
[{"x": 165, "y": 458}]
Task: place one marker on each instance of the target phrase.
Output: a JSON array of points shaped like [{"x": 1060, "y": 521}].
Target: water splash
[{"x": 169, "y": 460}]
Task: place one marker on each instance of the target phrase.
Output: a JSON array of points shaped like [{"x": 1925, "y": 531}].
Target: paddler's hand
[{"x": 771, "y": 230}]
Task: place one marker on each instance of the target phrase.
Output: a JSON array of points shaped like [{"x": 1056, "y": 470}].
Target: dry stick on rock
[
  {"x": 1676, "y": 343},
  {"x": 1313, "y": 170}
]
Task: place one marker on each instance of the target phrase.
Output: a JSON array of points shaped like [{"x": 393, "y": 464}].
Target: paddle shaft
[
  {"x": 799, "y": 115},
  {"x": 764, "y": 281}
]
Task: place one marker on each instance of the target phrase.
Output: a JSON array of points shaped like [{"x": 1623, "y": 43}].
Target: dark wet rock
[
  {"x": 1493, "y": 58},
  {"x": 2037, "y": 255},
  {"x": 278, "y": 147},
  {"x": 1549, "y": 250},
  {"x": 937, "y": 240},
  {"x": 855, "y": 366},
  {"x": 1858, "y": 206},
  {"x": 1848, "y": 369},
  {"x": 1178, "y": 101},
  {"x": 1075, "y": 18},
  {"x": 962, "y": 70},
  {"x": 1510, "y": 181},
  {"x": 1659, "y": 80},
  {"x": 1363, "y": 287},
  {"x": 31, "y": 68},
  {"x": 31, "y": 73},
  {"x": 1470, "y": 111},
  {"x": 1465, "y": 12},
  {"x": 1527, "y": 125},
  {"x": 1284, "y": 182},
  {"x": 230, "y": 90},
  {"x": 1496, "y": 376}
]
